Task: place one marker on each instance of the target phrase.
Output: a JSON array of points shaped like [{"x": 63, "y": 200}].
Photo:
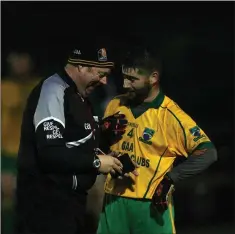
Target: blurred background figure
[
  {"x": 20, "y": 66},
  {"x": 15, "y": 88}
]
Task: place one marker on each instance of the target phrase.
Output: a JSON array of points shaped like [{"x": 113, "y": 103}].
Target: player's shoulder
[
  {"x": 118, "y": 100},
  {"x": 114, "y": 104},
  {"x": 120, "y": 97},
  {"x": 173, "y": 110},
  {"x": 170, "y": 104}
]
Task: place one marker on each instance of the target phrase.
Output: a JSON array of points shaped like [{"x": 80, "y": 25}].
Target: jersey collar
[
  {"x": 63, "y": 74},
  {"x": 156, "y": 103}
]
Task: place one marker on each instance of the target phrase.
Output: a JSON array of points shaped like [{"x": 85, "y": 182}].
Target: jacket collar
[{"x": 64, "y": 75}]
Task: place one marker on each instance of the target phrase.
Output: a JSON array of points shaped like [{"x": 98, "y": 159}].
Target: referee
[{"x": 58, "y": 158}]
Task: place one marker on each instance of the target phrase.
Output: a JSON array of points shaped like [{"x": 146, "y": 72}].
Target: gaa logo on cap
[
  {"x": 102, "y": 55},
  {"x": 77, "y": 52}
]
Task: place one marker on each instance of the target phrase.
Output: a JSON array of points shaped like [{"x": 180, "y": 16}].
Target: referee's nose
[{"x": 103, "y": 80}]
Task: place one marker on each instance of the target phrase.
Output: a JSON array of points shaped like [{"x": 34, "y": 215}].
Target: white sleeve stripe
[
  {"x": 76, "y": 182},
  {"x": 96, "y": 118},
  {"x": 79, "y": 142},
  {"x": 50, "y": 118}
]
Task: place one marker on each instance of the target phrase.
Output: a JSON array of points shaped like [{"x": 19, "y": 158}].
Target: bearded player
[{"x": 158, "y": 132}]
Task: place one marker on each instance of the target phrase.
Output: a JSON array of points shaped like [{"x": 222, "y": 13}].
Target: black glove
[
  {"x": 161, "y": 194},
  {"x": 113, "y": 127}
]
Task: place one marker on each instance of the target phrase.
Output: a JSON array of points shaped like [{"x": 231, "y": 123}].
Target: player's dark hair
[{"x": 142, "y": 59}]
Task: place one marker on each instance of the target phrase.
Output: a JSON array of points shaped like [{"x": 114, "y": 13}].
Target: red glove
[{"x": 114, "y": 126}]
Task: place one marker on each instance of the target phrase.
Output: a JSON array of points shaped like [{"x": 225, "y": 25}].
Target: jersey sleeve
[
  {"x": 54, "y": 153},
  {"x": 49, "y": 120},
  {"x": 185, "y": 135}
]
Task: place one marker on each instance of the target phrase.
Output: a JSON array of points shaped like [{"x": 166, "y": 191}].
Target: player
[{"x": 157, "y": 133}]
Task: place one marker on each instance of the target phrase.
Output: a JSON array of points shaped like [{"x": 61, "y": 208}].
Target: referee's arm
[{"x": 54, "y": 154}]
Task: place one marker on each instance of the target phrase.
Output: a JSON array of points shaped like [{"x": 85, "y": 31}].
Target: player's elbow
[{"x": 213, "y": 155}]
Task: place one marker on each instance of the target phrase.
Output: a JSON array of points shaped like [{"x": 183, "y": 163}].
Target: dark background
[{"x": 196, "y": 43}]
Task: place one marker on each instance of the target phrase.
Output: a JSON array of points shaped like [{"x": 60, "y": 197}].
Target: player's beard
[{"x": 137, "y": 96}]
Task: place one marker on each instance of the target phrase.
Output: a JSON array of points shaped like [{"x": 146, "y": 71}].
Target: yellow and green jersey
[{"x": 156, "y": 134}]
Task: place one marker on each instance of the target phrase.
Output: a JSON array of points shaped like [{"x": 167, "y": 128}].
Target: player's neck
[{"x": 152, "y": 94}]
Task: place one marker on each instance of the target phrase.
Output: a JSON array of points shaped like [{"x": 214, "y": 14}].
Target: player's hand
[
  {"x": 114, "y": 126},
  {"x": 161, "y": 195},
  {"x": 109, "y": 164}
]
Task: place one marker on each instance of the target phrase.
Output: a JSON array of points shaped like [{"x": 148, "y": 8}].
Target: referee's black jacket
[{"x": 59, "y": 136}]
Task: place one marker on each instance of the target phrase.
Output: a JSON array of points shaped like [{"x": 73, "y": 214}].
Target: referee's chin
[{"x": 89, "y": 90}]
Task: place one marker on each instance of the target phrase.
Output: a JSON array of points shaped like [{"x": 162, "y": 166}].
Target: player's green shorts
[{"x": 134, "y": 216}]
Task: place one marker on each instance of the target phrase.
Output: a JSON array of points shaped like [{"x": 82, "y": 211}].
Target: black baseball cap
[{"x": 96, "y": 57}]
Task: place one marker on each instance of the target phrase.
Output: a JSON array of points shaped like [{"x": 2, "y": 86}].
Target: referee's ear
[{"x": 154, "y": 78}]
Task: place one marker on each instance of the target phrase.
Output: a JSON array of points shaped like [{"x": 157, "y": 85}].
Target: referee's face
[{"x": 94, "y": 77}]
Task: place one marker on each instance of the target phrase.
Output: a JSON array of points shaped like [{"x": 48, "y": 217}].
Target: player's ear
[
  {"x": 154, "y": 78},
  {"x": 82, "y": 68},
  {"x": 79, "y": 67}
]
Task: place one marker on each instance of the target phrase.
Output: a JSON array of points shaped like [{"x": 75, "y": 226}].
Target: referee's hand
[{"x": 109, "y": 164}]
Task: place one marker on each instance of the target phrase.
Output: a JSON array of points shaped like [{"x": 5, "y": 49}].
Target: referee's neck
[{"x": 71, "y": 71}]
